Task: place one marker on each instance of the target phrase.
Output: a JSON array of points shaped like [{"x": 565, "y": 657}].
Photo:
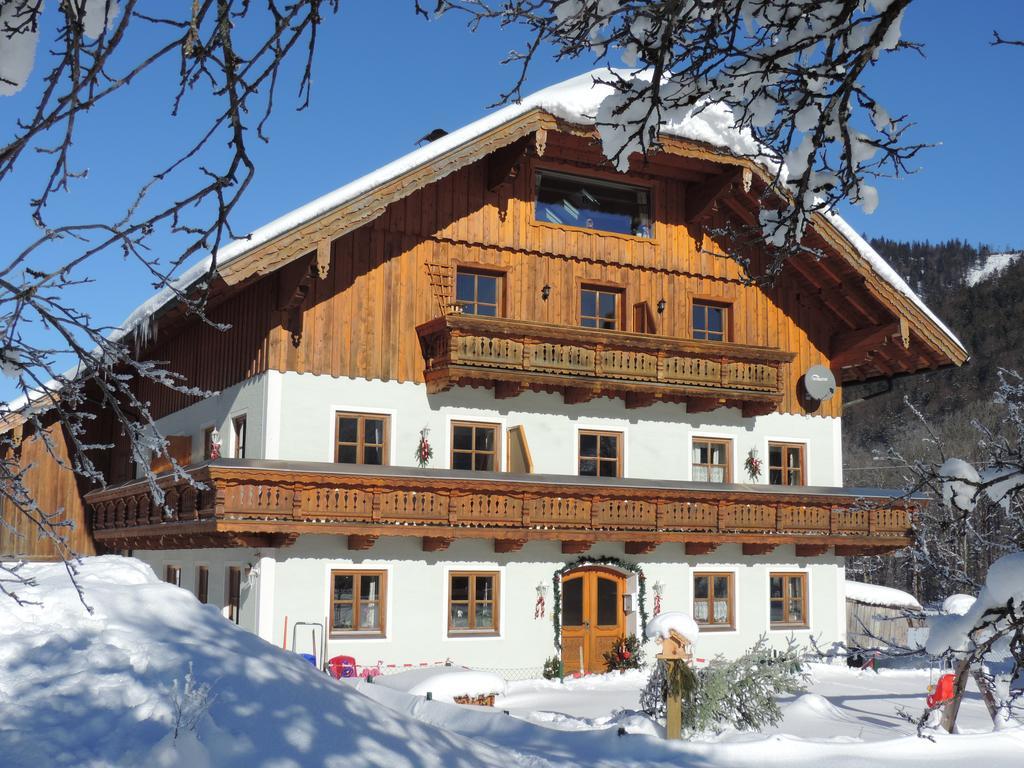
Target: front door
[{"x": 592, "y": 618}]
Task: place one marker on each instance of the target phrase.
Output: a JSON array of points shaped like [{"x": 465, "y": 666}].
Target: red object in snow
[
  {"x": 943, "y": 690},
  {"x": 342, "y": 666}
]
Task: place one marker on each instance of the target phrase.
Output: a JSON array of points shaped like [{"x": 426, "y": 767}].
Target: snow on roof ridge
[{"x": 875, "y": 594}]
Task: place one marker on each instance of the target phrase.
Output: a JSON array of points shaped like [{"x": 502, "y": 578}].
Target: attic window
[{"x": 578, "y": 202}]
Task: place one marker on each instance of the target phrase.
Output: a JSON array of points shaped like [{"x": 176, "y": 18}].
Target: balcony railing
[
  {"x": 236, "y": 498},
  {"x": 512, "y": 355}
]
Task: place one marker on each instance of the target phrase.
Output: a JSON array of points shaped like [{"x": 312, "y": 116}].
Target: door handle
[{"x": 586, "y": 625}]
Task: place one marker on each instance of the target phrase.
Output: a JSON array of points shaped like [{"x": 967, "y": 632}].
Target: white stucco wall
[
  {"x": 656, "y": 438},
  {"x": 296, "y": 587}
]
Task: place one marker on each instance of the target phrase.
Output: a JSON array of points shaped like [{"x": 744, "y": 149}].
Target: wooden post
[
  {"x": 952, "y": 707},
  {"x": 674, "y": 705}
]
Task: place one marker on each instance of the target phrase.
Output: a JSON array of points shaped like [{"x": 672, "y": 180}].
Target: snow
[
  {"x": 659, "y": 627},
  {"x": 960, "y": 482},
  {"x": 990, "y": 266},
  {"x": 444, "y": 683},
  {"x": 873, "y": 594},
  {"x": 1003, "y": 583},
  {"x": 96, "y": 689},
  {"x": 958, "y": 604}
]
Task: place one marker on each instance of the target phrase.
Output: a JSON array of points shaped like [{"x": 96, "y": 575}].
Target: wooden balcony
[
  {"x": 582, "y": 363},
  {"x": 255, "y": 503}
]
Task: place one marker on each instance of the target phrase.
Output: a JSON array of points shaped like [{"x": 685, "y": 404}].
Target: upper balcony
[{"x": 582, "y": 363}]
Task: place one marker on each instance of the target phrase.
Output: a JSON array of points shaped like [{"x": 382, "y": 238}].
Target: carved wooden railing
[
  {"x": 585, "y": 362},
  {"x": 233, "y": 495}
]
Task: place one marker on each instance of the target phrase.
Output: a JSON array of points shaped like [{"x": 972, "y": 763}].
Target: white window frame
[{"x": 734, "y": 465}]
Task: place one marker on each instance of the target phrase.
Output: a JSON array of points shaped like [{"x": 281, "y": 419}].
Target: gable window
[
  {"x": 713, "y": 600},
  {"x": 787, "y": 599},
  {"x": 234, "y": 591},
  {"x": 600, "y": 454},
  {"x": 357, "y": 602},
  {"x": 238, "y": 428},
  {"x": 472, "y": 603},
  {"x": 710, "y": 321},
  {"x": 785, "y": 464},
  {"x": 475, "y": 447},
  {"x": 208, "y": 443},
  {"x": 172, "y": 575},
  {"x": 478, "y": 293},
  {"x": 600, "y": 205},
  {"x": 202, "y": 583},
  {"x": 599, "y": 307},
  {"x": 711, "y": 460},
  {"x": 361, "y": 438}
]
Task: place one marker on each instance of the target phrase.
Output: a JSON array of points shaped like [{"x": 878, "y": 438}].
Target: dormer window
[{"x": 575, "y": 201}]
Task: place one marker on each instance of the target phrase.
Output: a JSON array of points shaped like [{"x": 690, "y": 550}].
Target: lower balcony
[
  {"x": 257, "y": 503},
  {"x": 511, "y": 356}
]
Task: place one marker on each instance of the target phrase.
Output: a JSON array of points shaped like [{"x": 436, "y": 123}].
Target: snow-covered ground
[
  {"x": 97, "y": 690},
  {"x": 991, "y": 265}
]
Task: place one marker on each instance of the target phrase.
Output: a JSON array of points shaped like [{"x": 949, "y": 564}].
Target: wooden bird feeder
[{"x": 675, "y": 646}]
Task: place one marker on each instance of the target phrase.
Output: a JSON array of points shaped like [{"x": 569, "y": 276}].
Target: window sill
[
  {"x": 716, "y": 628},
  {"x": 653, "y": 240},
  {"x": 356, "y": 635},
  {"x": 454, "y": 634},
  {"x": 787, "y": 627}
]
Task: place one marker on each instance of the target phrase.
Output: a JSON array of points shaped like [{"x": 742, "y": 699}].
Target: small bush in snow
[
  {"x": 627, "y": 653},
  {"x": 190, "y": 702},
  {"x": 552, "y": 668}
]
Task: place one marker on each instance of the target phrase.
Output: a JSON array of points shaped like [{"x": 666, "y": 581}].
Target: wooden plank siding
[
  {"x": 396, "y": 273},
  {"x": 55, "y": 490}
]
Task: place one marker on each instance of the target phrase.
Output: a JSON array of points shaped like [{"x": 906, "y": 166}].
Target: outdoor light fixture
[
  {"x": 545, "y": 292},
  {"x": 661, "y": 306},
  {"x": 627, "y": 603}
]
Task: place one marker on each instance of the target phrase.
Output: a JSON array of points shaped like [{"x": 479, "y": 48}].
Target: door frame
[{"x": 629, "y": 581}]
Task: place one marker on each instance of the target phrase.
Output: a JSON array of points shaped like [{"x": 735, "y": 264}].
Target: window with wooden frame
[
  {"x": 786, "y": 464},
  {"x": 600, "y": 307},
  {"x": 234, "y": 593},
  {"x": 473, "y": 602},
  {"x": 238, "y": 429},
  {"x": 208, "y": 443},
  {"x": 478, "y": 292},
  {"x": 203, "y": 584},
  {"x": 600, "y": 453},
  {"x": 713, "y": 600},
  {"x": 358, "y": 602},
  {"x": 787, "y": 595},
  {"x": 711, "y": 460},
  {"x": 576, "y": 201},
  {"x": 361, "y": 438},
  {"x": 172, "y": 575},
  {"x": 710, "y": 321},
  {"x": 475, "y": 447}
]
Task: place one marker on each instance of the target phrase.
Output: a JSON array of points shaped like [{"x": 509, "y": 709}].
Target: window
[
  {"x": 788, "y": 599},
  {"x": 478, "y": 293},
  {"x": 357, "y": 602},
  {"x": 600, "y": 454},
  {"x": 234, "y": 591},
  {"x": 710, "y": 321},
  {"x": 203, "y": 583},
  {"x": 711, "y": 460},
  {"x": 172, "y": 575},
  {"x": 713, "y": 600},
  {"x": 599, "y": 307},
  {"x": 208, "y": 443},
  {"x": 472, "y": 603},
  {"x": 580, "y": 202},
  {"x": 238, "y": 428},
  {"x": 361, "y": 439},
  {"x": 475, "y": 447},
  {"x": 785, "y": 464}
]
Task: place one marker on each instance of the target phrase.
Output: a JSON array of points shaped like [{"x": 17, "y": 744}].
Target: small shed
[{"x": 876, "y": 616}]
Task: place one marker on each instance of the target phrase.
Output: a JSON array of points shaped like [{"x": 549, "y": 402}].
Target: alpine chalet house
[{"x": 610, "y": 420}]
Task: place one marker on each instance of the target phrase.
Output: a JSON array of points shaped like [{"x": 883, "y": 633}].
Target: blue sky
[{"x": 384, "y": 77}]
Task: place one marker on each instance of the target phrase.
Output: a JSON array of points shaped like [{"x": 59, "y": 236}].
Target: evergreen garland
[{"x": 556, "y": 581}]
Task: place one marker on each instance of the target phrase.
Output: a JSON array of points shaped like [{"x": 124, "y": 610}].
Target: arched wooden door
[{"x": 592, "y": 617}]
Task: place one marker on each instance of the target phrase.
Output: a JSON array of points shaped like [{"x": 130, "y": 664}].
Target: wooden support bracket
[
  {"x": 639, "y": 399},
  {"x": 576, "y": 546},
  {"x": 640, "y": 547},
  {"x": 435, "y": 543},
  {"x": 700, "y": 547},
  {"x": 506, "y": 389},
  {"x": 577, "y": 395},
  {"x": 508, "y": 545},
  {"x": 811, "y": 550},
  {"x": 360, "y": 541},
  {"x": 851, "y": 347},
  {"x": 758, "y": 549}
]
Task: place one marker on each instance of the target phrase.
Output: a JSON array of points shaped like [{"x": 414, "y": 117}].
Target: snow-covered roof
[
  {"x": 575, "y": 100},
  {"x": 874, "y": 594}
]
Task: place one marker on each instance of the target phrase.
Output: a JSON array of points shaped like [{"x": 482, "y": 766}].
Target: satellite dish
[{"x": 819, "y": 382}]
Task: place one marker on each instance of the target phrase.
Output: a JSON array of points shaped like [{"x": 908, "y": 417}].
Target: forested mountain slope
[{"x": 979, "y": 294}]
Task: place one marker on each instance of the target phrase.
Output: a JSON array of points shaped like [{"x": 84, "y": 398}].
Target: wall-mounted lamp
[
  {"x": 545, "y": 292},
  {"x": 661, "y": 306},
  {"x": 627, "y": 603}
]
